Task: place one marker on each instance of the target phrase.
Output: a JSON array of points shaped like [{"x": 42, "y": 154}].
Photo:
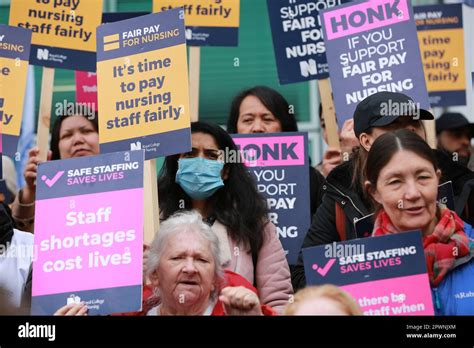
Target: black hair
[
  {"x": 272, "y": 100},
  {"x": 238, "y": 205},
  {"x": 55, "y": 133}
]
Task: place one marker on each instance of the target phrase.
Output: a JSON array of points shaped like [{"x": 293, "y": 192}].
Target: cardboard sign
[
  {"x": 386, "y": 275},
  {"x": 63, "y": 31},
  {"x": 208, "y": 22},
  {"x": 143, "y": 85},
  {"x": 298, "y": 39},
  {"x": 92, "y": 249},
  {"x": 279, "y": 164},
  {"x": 14, "y": 54},
  {"x": 371, "y": 46},
  {"x": 441, "y": 38}
]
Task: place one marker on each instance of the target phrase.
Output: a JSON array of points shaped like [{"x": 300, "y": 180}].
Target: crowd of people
[{"x": 218, "y": 249}]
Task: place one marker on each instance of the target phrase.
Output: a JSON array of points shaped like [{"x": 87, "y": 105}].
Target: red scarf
[{"x": 447, "y": 243}]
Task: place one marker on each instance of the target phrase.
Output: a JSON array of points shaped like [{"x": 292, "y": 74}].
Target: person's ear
[
  {"x": 154, "y": 279},
  {"x": 438, "y": 174},
  {"x": 372, "y": 190},
  {"x": 225, "y": 173},
  {"x": 365, "y": 141}
]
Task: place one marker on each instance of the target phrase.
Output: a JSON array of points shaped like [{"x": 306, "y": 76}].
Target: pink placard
[
  {"x": 86, "y": 88},
  {"x": 272, "y": 151},
  {"x": 364, "y": 16},
  {"x": 110, "y": 254},
  {"x": 409, "y": 295}
]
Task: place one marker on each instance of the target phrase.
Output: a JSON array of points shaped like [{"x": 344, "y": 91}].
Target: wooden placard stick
[
  {"x": 152, "y": 212},
  {"x": 44, "y": 117},
  {"x": 194, "y": 80},
  {"x": 329, "y": 113}
]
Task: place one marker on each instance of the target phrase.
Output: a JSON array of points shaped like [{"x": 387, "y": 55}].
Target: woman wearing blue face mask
[{"x": 226, "y": 196}]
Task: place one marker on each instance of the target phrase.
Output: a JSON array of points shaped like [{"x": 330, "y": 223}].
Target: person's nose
[
  {"x": 412, "y": 193},
  {"x": 258, "y": 127},
  {"x": 78, "y": 138},
  {"x": 189, "y": 266}
]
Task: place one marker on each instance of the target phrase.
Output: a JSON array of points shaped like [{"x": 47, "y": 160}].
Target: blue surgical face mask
[{"x": 199, "y": 177}]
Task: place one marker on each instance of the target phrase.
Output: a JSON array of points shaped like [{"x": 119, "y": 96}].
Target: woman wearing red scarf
[{"x": 402, "y": 178}]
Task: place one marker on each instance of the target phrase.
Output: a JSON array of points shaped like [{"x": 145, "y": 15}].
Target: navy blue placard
[
  {"x": 171, "y": 25},
  {"x": 86, "y": 175},
  {"x": 98, "y": 301},
  {"x": 298, "y": 41},
  {"x": 15, "y": 42},
  {"x": 360, "y": 260},
  {"x": 63, "y": 58},
  {"x": 285, "y": 187},
  {"x": 212, "y": 36},
  {"x": 454, "y": 11}
]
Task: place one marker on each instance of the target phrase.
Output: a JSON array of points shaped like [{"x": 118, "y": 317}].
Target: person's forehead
[
  {"x": 202, "y": 140},
  {"x": 394, "y": 167},
  {"x": 252, "y": 102},
  {"x": 190, "y": 242},
  {"x": 73, "y": 122}
]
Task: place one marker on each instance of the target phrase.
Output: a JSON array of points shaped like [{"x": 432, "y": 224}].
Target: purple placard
[
  {"x": 279, "y": 164},
  {"x": 372, "y": 46}
]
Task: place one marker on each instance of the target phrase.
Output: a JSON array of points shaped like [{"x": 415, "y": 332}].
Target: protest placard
[
  {"x": 63, "y": 31},
  {"x": 441, "y": 38},
  {"x": 386, "y": 275},
  {"x": 372, "y": 46},
  {"x": 14, "y": 54},
  {"x": 86, "y": 89},
  {"x": 279, "y": 164},
  {"x": 143, "y": 85},
  {"x": 92, "y": 250},
  {"x": 298, "y": 38},
  {"x": 208, "y": 22}
]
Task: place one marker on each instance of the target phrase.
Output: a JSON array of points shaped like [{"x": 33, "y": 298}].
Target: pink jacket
[{"x": 273, "y": 274}]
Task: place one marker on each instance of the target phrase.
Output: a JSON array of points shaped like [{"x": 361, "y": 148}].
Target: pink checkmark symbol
[
  {"x": 324, "y": 270},
  {"x": 51, "y": 182}
]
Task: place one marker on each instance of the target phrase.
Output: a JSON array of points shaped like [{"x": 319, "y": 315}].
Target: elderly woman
[
  {"x": 402, "y": 178},
  {"x": 187, "y": 278}
]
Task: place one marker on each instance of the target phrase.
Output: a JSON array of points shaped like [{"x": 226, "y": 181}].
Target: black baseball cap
[
  {"x": 453, "y": 120},
  {"x": 383, "y": 108}
]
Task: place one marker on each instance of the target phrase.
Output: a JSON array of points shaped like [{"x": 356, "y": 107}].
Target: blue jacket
[{"x": 455, "y": 294}]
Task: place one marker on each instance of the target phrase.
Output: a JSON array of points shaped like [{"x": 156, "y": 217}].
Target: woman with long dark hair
[{"x": 226, "y": 196}]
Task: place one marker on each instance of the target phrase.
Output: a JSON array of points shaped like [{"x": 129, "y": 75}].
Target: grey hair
[{"x": 189, "y": 221}]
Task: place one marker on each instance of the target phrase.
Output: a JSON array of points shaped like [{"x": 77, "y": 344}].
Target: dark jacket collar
[{"x": 340, "y": 181}]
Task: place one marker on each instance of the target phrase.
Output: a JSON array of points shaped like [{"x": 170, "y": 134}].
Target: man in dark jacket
[{"x": 344, "y": 201}]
